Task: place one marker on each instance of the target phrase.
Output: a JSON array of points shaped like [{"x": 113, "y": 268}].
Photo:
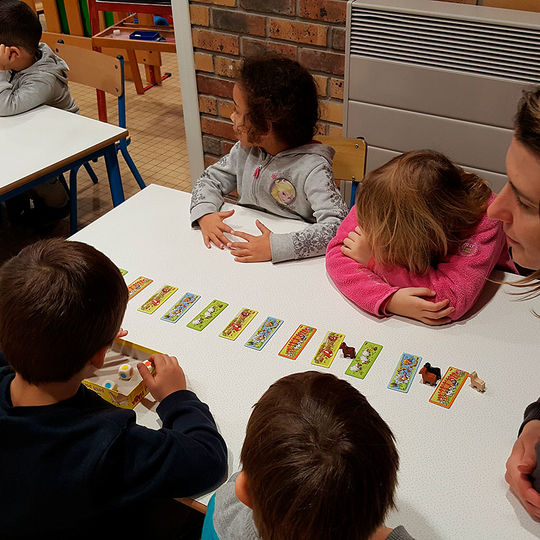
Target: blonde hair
[{"x": 416, "y": 209}]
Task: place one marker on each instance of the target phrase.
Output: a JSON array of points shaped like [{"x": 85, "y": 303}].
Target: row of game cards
[{"x": 444, "y": 394}]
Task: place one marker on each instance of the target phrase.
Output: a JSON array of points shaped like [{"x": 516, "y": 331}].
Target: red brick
[
  {"x": 204, "y": 62},
  {"x": 226, "y": 146},
  {"x": 331, "y": 111},
  {"x": 336, "y": 88},
  {"x": 214, "y": 86},
  {"x": 199, "y": 15},
  {"x": 283, "y": 7},
  {"x": 215, "y": 41},
  {"x": 218, "y": 128},
  {"x": 208, "y": 105},
  {"x": 313, "y": 34},
  {"x": 337, "y": 38},
  {"x": 332, "y": 11},
  {"x": 210, "y": 160},
  {"x": 225, "y": 108},
  {"x": 229, "y": 3},
  {"x": 211, "y": 145},
  {"x": 327, "y": 62},
  {"x": 321, "y": 82},
  {"x": 227, "y": 67},
  {"x": 258, "y": 47},
  {"x": 235, "y": 21}
]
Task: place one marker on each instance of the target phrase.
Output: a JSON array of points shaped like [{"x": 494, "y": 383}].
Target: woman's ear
[{"x": 242, "y": 489}]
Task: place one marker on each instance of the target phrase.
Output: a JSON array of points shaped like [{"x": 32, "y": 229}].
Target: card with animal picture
[
  {"x": 404, "y": 373},
  {"x": 364, "y": 359},
  {"x": 238, "y": 324},
  {"x": 137, "y": 286},
  {"x": 449, "y": 387},
  {"x": 174, "y": 314},
  {"x": 267, "y": 329},
  {"x": 328, "y": 349},
  {"x": 207, "y": 315},
  {"x": 296, "y": 343},
  {"x": 157, "y": 299}
]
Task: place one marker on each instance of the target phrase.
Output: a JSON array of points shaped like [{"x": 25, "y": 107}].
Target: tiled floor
[{"x": 158, "y": 148}]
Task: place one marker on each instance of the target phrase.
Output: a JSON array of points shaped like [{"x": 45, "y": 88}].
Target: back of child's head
[
  {"x": 319, "y": 461},
  {"x": 418, "y": 208},
  {"x": 60, "y": 303},
  {"x": 282, "y": 94},
  {"x": 19, "y": 26}
]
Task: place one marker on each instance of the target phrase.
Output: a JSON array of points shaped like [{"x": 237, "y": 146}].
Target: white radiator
[{"x": 428, "y": 74}]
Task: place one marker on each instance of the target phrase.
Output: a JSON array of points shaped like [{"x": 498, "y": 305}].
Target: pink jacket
[{"x": 460, "y": 278}]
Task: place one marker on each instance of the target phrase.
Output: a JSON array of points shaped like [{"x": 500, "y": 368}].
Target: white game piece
[
  {"x": 125, "y": 372},
  {"x": 110, "y": 385}
]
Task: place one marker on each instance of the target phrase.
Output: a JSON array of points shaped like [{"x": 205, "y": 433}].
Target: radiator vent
[{"x": 474, "y": 47}]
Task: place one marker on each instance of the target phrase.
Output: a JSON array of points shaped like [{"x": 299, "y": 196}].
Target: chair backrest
[
  {"x": 93, "y": 68},
  {"x": 349, "y": 160}
]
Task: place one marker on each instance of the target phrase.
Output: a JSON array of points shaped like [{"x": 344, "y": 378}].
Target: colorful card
[
  {"x": 328, "y": 349},
  {"x": 364, "y": 359},
  {"x": 157, "y": 299},
  {"x": 405, "y": 371},
  {"x": 180, "y": 307},
  {"x": 238, "y": 324},
  {"x": 449, "y": 387},
  {"x": 267, "y": 329},
  {"x": 207, "y": 315},
  {"x": 122, "y": 271},
  {"x": 138, "y": 285},
  {"x": 297, "y": 342}
]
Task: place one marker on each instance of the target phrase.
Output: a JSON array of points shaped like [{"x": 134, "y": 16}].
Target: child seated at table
[
  {"x": 71, "y": 462},
  {"x": 317, "y": 462},
  {"x": 31, "y": 75},
  {"x": 275, "y": 166},
  {"x": 418, "y": 242}
]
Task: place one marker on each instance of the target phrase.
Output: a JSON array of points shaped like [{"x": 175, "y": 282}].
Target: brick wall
[{"x": 224, "y": 31}]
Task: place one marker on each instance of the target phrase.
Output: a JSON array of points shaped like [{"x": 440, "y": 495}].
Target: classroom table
[
  {"x": 451, "y": 478},
  {"x": 44, "y": 142}
]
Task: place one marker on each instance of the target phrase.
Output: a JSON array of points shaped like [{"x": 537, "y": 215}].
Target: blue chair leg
[
  {"x": 132, "y": 167},
  {"x": 73, "y": 199},
  {"x": 113, "y": 172},
  {"x": 91, "y": 172},
  {"x": 354, "y": 186}
]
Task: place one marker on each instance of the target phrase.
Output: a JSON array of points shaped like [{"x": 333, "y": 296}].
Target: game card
[
  {"x": 122, "y": 271},
  {"x": 449, "y": 387},
  {"x": 267, "y": 329},
  {"x": 207, "y": 315},
  {"x": 180, "y": 307},
  {"x": 364, "y": 359},
  {"x": 137, "y": 286},
  {"x": 238, "y": 324},
  {"x": 405, "y": 371},
  {"x": 328, "y": 349},
  {"x": 157, "y": 299},
  {"x": 296, "y": 343}
]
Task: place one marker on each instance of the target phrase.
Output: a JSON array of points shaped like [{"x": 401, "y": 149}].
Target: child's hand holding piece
[
  {"x": 255, "y": 248},
  {"x": 167, "y": 378},
  {"x": 356, "y": 247},
  {"x": 212, "y": 228},
  {"x": 410, "y": 302}
]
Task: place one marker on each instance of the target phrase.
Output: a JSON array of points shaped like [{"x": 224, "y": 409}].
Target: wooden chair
[
  {"x": 101, "y": 72},
  {"x": 349, "y": 161}
]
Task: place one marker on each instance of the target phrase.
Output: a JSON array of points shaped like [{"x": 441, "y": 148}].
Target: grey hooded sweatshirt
[
  {"x": 297, "y": 183},
  {"x": 43, "y": 83}
]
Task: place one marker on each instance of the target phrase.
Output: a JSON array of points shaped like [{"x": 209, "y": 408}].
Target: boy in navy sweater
[{"x": 69, "y": 461}]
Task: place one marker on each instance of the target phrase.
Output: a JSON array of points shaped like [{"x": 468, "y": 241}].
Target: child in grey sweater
[
  {"x": 31, "y": 75},
  {"x": 275, "y": 166}
]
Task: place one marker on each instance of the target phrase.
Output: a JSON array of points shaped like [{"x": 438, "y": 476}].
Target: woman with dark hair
[{"x": 518, "y": 207}]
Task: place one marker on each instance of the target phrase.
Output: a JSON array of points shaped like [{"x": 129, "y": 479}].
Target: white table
[
  {"x": 451, "y": 479},
  {"x": 42, "y": 143}
]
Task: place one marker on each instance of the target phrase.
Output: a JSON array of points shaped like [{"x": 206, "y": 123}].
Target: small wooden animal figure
[
  {"x": 476, "y": 382},
  {"x": 430, "y": 375},
  {"x": 348, "y": 352}
]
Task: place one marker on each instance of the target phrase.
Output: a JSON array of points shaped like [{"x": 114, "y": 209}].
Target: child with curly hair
[
  {"x": 275, "y": 166},
  {"x": 418, "y": 242}
]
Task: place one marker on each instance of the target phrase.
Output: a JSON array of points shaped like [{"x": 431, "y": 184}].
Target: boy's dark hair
[
  {"x": 19, "y": 26},
  {"x": 319, "y": 461},
  {"x": 281, "y": 93},
  {"x": 60, "y": 303}
]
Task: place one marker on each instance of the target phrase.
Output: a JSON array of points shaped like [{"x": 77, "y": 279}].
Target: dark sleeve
[
  {"x": 532, "y": 412},
  {"x": 2, "y": 360},
  {"x": 184, "y": 458}
]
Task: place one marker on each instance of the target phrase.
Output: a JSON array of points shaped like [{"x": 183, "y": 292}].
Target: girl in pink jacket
[{"x": 418, "y": 242}]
